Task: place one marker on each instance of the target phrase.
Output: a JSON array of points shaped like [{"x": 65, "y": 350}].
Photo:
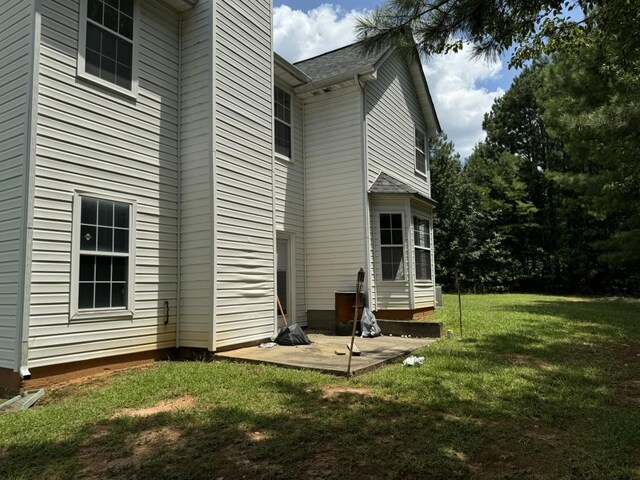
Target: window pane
[
  {"x": 396, "y": 237},
  {"x": 87, "y": 265},
  {"x": 120, "y": 240},
  {"x": 110, "y": 18},
  {"x": 385, "y": 221},
  {"x": 123, "y": 76},
  {"x": 94, "y": 37},
  {"x": 105, "y": 213},
  {"x": 387, "y": 255},
  {"x": 124, "y": 53},
  {"x": 103, "y": 295},
  {"x": 85, "y": 295},
  {"x": 396, "y": 220},
  {"x": 94, "y": 10},
  {"x": 88, "y": 237},
  {"x": 109, "y": 45},
  {"x": 121, "y": 217},
  {"x": 421, "y": 163},
  {"x": 385, "y": 237},
  {"x": 89, "y": 211},
  {"x": 103, "y": 269},
  {"x": 108, "y": 69},
  {"x": 92, "y": 63},
  {"x": 283, "y": 139},
  {"x": 126, "y": 7},
  {"x": 105, "y": 239},
  {"x": 119, "y": 269},
  {"x": 113, "y": 3},
  {"x": 420, "y": 139},
  {"x": 118, "y": 294},
  {"x": 423, "y": 264},
  {"x": 125, "y": 26}
]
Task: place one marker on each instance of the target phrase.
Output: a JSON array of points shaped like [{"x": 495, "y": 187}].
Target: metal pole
[
  {"x": 359, "y": 283},
  {"x": 459, "y": 301}
]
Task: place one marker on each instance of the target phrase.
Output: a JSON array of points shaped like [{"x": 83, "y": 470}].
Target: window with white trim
[
  {"x": 422, "y": 248},
  {"x": 391, "y": 246},
  {"x": 104, "y": 254},
  {"x": 421, "y": 150},
  {"x": 108, "y": 45},
  {"x": 282, "y": 122}
]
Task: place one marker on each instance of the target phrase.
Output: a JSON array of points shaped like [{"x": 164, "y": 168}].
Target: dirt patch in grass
[
  {"x": 180, "y": 403},
  {"x": 335, "y": 391},
  {"x": 526, "y": 361},
  {"x": 140, "y": 447}
]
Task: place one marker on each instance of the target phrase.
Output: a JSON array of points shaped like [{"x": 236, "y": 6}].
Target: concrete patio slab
[{"x": 321, "y": 354}]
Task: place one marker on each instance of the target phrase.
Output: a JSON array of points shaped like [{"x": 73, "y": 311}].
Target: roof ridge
[{"x": 327, "y": 53}]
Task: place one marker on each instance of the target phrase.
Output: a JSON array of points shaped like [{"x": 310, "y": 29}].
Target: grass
[{"x": 540, "y": 387}]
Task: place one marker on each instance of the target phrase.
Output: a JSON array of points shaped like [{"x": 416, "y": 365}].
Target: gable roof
[
  {"x": 338, "y": 68},
  {"x": 387, "y": 184},
  {"x": 339, "y": 62}
]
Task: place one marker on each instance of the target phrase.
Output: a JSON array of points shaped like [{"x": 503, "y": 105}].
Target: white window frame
[
  {"x": 82, "y": 47},
  {"x": 290, "y": 125},
  {"x": 381, "y": 245},
  {"x": 429, "y": 249},
  {"x": 425, "y": 152},
  {"x": 101, "y": 313}
]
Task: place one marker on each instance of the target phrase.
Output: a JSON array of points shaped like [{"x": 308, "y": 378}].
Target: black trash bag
[{"x": 292, "y": 335}]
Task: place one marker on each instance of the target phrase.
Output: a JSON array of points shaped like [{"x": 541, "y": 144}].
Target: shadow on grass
[{"x": 545, "y": 401}]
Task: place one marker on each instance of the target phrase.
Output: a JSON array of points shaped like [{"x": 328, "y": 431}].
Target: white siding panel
[
  {"x": 244, "y": 178},
  {"x": 392, "y": 111},
  {"x": 196, "y": 270},
  {"x": 15, "y": 27},
  {"x": 90, "y": 138},
  {"x": 334, "y": 223}
]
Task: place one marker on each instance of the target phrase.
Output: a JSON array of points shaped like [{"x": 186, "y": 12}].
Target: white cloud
[
  {"x": 453, "y": 79},
  {"x": 460, "y": 102},
  {"x": 299, "y": 35}
]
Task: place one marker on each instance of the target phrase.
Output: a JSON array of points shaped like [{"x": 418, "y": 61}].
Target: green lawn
[{"x": 543, "y": 387}]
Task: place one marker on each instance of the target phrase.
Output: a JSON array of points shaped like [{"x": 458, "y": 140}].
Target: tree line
[{"x": 550, "y": 200}]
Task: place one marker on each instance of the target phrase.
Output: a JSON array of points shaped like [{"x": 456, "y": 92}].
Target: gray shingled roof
[
  {"x": 385, "y": 183},
  {"x": 344, "y": 60}
]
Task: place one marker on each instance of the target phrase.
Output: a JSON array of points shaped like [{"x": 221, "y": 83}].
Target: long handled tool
[
  {"x": 359, "y": 283},
  {"x": 284, "y": 317}
]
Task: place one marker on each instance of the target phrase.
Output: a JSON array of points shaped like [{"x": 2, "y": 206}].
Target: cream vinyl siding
[
  {"x": 290, "y": 205},
  {"x": 244, "y": 184},
  {"x": 196, "y": 248},
  {"x": 393, "y": 111},
  {"x": 92, "y": 139},
  {"x": 396, "y": 294},
  {"x": 15, "y": 28},
  {"x": 334, "y": 211}
]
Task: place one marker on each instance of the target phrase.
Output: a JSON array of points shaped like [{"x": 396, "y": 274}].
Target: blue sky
[{"x": 463, "y": 89}]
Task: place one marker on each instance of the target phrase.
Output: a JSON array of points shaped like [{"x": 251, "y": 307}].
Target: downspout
[
  {"x": 23, "y": 310},
  {"x": 179, "y": 179},
  {"x": 273, "y": 186},
  {"x": 212, "y": 179},
  {"x": 365, "y": 196}
]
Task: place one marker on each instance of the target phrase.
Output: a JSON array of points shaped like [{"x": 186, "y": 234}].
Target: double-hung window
[
  {"x": 108, "y": 43},
  {"x": 391, "y": 246},
  {"x": 421, "y": 151},
  {"x": 103, "y": 274},
  {"x": 422, "y": 248},
  {"x": 282, "y": 122}
]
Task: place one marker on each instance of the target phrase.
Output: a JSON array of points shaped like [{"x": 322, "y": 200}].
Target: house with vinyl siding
[{"x": 165, "y": 178}]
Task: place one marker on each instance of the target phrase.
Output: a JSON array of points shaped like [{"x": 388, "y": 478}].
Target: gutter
[{"x": 179, "y": 181}]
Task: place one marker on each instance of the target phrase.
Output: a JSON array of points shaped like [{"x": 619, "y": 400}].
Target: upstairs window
[
  {"x": 107, "y": 44},
  {"x": 282, "y": 122},
  {"x": 421, "y": 151},
  {"x": 422, "y": 248},
  {"x": 391, "y": 246}
]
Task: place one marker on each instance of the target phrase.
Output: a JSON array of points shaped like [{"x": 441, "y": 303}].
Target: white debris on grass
[
  {"x": 413, "y": 361},
  {"x": 268, "y": 345}
]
